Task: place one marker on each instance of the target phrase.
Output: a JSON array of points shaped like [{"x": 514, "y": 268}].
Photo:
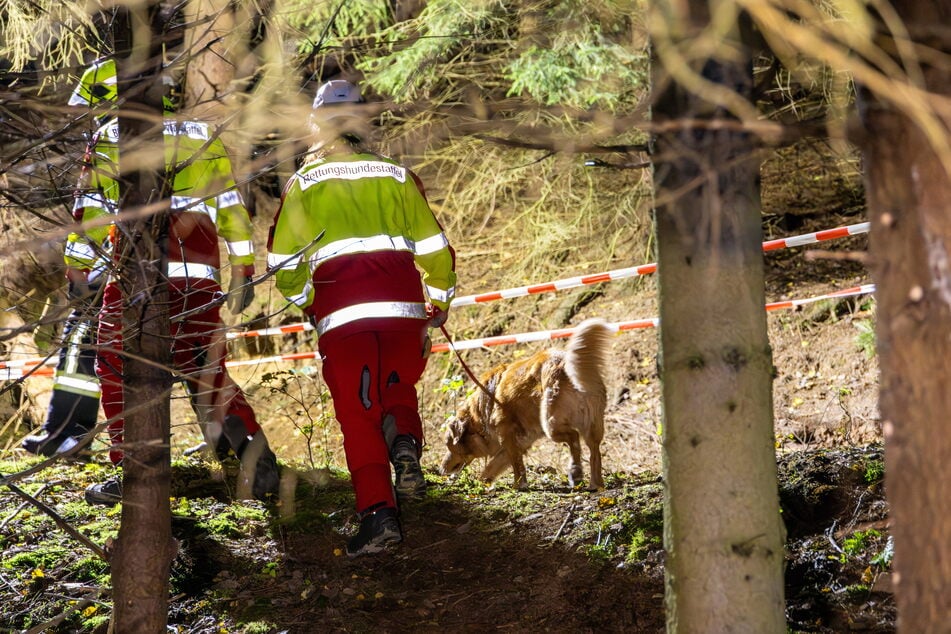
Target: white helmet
[
  {"x": 336, "y": 114},
  {"x": 335, "y": 92}
]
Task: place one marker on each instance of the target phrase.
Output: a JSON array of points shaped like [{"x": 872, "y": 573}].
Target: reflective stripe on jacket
[
  {"x": 205, "y": 203},
  {"x": 97, "y": 85},
  {"x": 347, "y": 238}
]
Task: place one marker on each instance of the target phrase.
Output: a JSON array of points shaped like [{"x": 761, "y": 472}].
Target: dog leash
[
  {"x": 471, "y": 374},
  {"x": 465, "y": 366}
]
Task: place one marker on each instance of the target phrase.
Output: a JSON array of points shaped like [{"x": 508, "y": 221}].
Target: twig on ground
[
  {"x": 468, "y": 596},
  {"x": 78, "y": 607},
  {"x": 7, "y": 583},
  {"x": 830, "y": 535},
  {"x": 58, "y": 520},
  {"x": 441, "y": 541},
  {"x": 564, "y": 523},
  {"x": 22, "y": 506}
]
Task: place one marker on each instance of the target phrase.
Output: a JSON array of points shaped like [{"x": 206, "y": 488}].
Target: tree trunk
[
  {"x": 219, "y": 69},
  {"x": 210, "y": 41},
  {"x": 722, "y": 527},
  {"x": 143, "y": 552},
  {"x": 909, "y": 199}
]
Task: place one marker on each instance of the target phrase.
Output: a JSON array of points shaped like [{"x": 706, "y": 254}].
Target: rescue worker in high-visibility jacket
[
  {"x": 344, "y": 247},
  {"x": 74, "y": 403},
  {"x": 205, "y": 204}
]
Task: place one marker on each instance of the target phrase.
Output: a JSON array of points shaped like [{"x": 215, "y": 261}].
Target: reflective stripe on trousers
[{"x": 370, "y": 310}]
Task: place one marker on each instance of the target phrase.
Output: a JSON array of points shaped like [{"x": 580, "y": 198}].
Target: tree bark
[
  {"x": 211, "y": 41},
  {"x": 142, "y": 557},
  {"x": 909, "y": 198},
  {"x": 723, "y": 532},
  {"x": 219, "y": 70}
]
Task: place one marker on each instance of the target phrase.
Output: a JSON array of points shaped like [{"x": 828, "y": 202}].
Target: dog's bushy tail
[{"x": 586, "y": 355}]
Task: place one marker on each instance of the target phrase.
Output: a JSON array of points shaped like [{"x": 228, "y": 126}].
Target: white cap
[{"x": 336, "y": 91}]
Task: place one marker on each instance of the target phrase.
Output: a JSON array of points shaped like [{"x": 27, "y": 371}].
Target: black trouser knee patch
[
  {"x": 389, "y": 430},
  {"x": 365, "y": 388}
]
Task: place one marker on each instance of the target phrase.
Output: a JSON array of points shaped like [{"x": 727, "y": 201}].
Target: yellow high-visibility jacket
[
  {"x": 346, "y": 242},
  {"x": 205, "y": 203}
]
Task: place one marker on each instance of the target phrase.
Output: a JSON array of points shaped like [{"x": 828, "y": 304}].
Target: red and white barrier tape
[
  {"x": 864, "y": 289},
  {"x": 4, "y": 365},
  {"x": 540, "y": 335},
  {"x": 275, "y": 330},
  {"x": 14, "y": 373},
  {"x": 647, "y": 269},
  {"x": 557, "y": 285},
  {"x": 818, "y": 236},
  {"x": 584, "y": 280},
  {"x": 544, "y": 335},
  {"x": 296, "y": 356},
  {"x": 9, "y": 374}
]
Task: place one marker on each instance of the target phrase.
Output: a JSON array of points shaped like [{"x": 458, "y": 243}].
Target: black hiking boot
[
  {"x": 378, "y": 530},
  {"x": 108, "y": 493},
  {"x": 267, "y": 476},
  {"x": 43, "y": 444},
  {"x": 410, "y": 482}
]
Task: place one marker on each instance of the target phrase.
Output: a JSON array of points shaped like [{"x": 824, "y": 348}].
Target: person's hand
[
  {"x": 78, "y": 284},
  {"x": 240, "y": 293},
  {"x": 437, "y": 316}
]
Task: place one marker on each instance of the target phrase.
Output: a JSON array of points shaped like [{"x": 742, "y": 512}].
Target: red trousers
[
  {"x": 372, "y": 378},
  {"x": 198, "y": 353}
]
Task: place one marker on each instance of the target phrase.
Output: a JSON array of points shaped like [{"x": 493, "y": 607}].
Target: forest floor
[{"x": 551, "y": 559}]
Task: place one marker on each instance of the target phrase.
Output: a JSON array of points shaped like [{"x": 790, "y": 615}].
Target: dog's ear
[
  {"x": 457, "y": 428},
  {"x": 486, "y": 399}
]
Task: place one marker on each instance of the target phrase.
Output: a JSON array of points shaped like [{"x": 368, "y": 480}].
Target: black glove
[
  {"x": 437, "y": 316},
  {"x": 240, "y": 293}
]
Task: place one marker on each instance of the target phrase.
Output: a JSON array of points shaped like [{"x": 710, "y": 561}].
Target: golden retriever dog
[{"x": 553, "y": 393}]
